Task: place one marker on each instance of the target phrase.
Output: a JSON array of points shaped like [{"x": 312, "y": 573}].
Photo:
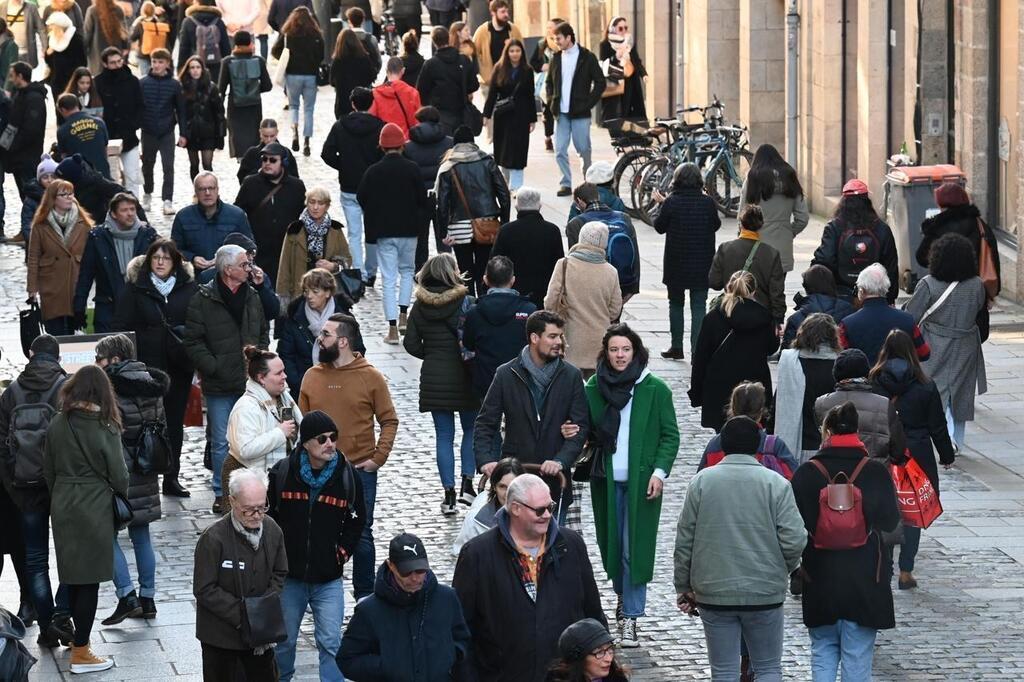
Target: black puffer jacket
[
  {"x": 351, "y": 147},
  {"x": 427, "y": 144},
  {"x": 140, "y": 391},
  {"x": 482, "y": 182},
  {"x": 962, "y": 220},
  {"x": 432, "y": 336}
]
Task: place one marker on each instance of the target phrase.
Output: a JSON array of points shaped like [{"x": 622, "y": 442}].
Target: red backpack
[{"x": 841, "y": 523}]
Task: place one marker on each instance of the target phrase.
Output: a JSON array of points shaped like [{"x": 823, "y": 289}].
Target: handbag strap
[
  {"x": 939, "y": 302},
  {"x": 462, "y": 195},
  {"x": 270, "y": 195},
  {"x": 238, "y": 570},
  {"x": 750, "y": 256},
  {"x": 74, "y": 434},
  {"x": 405, "y": 116}
]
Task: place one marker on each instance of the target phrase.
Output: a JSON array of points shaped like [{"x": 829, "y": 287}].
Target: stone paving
[{"x": 963, "y": 623}]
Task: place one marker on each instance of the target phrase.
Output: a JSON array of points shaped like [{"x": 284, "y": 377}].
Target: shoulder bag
[
  {"x": 938, "y": 302},
  {"x": 485, "y": 230},
  {"x": 986, "y": 264},
  {"x": 281, "y": 71},
  {"x": 123, "y": 511},
  {"x": 717, "y": 300},
  {"x": 262, "y": 616},
  {"x": 562, "y": 304}
]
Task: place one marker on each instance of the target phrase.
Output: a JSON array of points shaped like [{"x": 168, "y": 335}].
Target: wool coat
[
  {"x": 482, "y": 40},
  {"x": 689, "y": 220},
  {"x": 730, "y": 350},
  {"x": 535, "y": 247},
  {"x": 80, "y": 479},
  {"x": 956, "y": 364},
  {"x": 851, "y": 584},
  {"x": 766, "y": 267},
  {"x": 96, "y": 41},
  {"x": 784, "y": 218},
  {"x": 512, "y": 128},
  {"x": 433, "y": 336},
  {"x": 653, "y": 444},
  {"x": 34, "y": 27},
  {"x": 592, "y": 302},
  {"x": 53, "y": 265},
  {"x": 295, "y": 259}
]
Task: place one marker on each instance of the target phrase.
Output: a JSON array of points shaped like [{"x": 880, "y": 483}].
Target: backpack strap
[
  {"x": 820, "y": 467},
  {"x": 856, "y": 472}
]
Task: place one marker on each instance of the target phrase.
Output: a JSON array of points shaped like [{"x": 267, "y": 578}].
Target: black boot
[
  {"x": 127, "y": 607},
  {"x": 305, "y": 148},
  {"x": 173, "y": 488},
  {"x": 63, "y": 628},
  {"x": 148, "y": 607},
  {"x": 27, "y": 613},
  {"x": 468, "y": 492}
]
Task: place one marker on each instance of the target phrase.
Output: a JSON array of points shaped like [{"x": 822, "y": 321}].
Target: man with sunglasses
[
  {"x": 411, "y": 627},
  {"x": 521, "y": 584},
  {"x": 317, "y": 499}
]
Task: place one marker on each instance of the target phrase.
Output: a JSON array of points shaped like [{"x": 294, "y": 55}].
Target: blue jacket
[
  {"x": 197, "y": 235},
  {"x": 867, "y": 328},
  {"x": 836, "y": 308},
  {"x": 394, "y": 635},
  {"x": 163, "y": 104},
  {"x": 495, "y": 328},
  {"x": 99, "y": 265}
]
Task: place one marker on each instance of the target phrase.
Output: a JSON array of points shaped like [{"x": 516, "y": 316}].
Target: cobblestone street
[{"x": 962, "y": 623}]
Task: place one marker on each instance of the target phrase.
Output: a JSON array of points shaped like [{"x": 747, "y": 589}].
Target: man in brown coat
[{"x": 241, "y": 555}]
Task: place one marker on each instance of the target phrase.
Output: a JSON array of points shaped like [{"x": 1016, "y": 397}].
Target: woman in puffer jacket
[
  {"x": 140, "y": 390},
  {"x": 263, "y": 424}
]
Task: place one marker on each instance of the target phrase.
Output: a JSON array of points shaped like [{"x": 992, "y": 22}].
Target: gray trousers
[{"x": 165, "y": 145}]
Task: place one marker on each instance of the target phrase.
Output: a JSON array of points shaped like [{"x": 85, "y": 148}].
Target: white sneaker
[
  {"x": 627, "y": 634},
  {"x": 168, "y": 208},
  {"x": 147, "y": 201}
]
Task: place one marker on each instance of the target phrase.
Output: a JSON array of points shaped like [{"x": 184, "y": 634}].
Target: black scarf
[
  {"x": 616, "y": 388},
  {"x": 235, "y": 302}
]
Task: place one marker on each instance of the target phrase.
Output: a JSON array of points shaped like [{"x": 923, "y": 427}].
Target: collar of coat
[{"x": 200, "y": 9}]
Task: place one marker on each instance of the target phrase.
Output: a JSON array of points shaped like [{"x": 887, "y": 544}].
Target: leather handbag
[
  {"x": 350, "y": 280},
  {"x": 590, "y": 465},
  {"x": 987, "y": 265},
  {"x": 485, "y": 230},
  {"x": 122, "y": 508},
  {"x": 503, "y": 106},
  {"x": 262, "y": 616},
  {"x": 31, "y": 323}
]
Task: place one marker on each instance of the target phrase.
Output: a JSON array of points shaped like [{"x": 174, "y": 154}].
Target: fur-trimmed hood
[
  {"x": 134, "y": 379},
  {"x": 131, "y": 273},
  {"x": 436, "y": 302},
  {"x": 203, "y": 9}
]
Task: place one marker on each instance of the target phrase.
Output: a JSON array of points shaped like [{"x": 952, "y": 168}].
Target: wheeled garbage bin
[{"x": 910, "y": 198}]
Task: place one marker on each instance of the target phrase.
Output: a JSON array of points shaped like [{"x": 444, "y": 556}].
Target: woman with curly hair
[
  {"x": 949, "y": 304},
  {"x": 204, "y": 115},
  {"x": 104, "y": 27}
]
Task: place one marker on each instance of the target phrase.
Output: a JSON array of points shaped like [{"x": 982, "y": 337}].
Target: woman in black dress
[
  {"x": 624, "y": 65},
  {"x": 510, "y": 103},
  {"x": 204, "y": 115}
]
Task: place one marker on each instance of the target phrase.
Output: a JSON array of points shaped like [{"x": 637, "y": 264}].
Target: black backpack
[
  {"x": 857, "y": 248},
  {"x": 245, "y": 82},
  {"x": 26, "y": 436},
  {"x": 151, "y": 453}
]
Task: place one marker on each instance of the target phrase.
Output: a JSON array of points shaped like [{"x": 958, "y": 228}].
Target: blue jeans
[
  {"x": 35, "y": 531},
  {"x": 397, "y": 258},
  {"x": 844, "y": 642},
  {"x": 634, "y": 596},
  {"x": 364, "y": 561},
  {"x": 762, "y": 632},
  {"x": 578, "y": 129},
  {"x": 145, "y": 562},
  {"x": 956, "y": 428},
  {"x": 218, "y": 409},
  {"x": 327, "y": 602},
  {"x": 908, "y": 548},
  {"x": 514, "y": 177},
  {"x": 304, "y": 86},
  {"x": 354, "y": 217},
  {"x": 444, "y": 434}
]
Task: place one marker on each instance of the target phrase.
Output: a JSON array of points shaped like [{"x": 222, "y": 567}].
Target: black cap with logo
[{"x": 408, "y": 554}]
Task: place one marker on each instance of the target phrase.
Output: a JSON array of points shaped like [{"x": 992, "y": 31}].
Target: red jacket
[{"x": 396, "y": 103}]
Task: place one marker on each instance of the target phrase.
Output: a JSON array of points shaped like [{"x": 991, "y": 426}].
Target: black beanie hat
[
  {"x": 740, "y": 436},
  {"x": 314, "y": 423},
  {"x": 462, "y": 135},
  {"x": 851, "y": 364},
  {"x": 582, "y": 638}
]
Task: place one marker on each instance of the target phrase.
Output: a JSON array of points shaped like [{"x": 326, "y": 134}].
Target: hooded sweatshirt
[
  {"x": 427, "y": 144},
  {"x": 351, "y": 147},
  {"x": 495, "y": 329}
]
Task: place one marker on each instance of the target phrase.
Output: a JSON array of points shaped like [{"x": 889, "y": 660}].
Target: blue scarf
[{"x": 317, "y": 482}]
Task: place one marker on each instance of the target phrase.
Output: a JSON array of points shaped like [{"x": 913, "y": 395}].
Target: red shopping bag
[
  {"x": 194, "y": 407},
  {"x": 917, "y": 497}
]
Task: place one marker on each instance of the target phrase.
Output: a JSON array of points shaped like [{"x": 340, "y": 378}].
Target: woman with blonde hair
[
  {"x": 434, "y": 335},
  {"x": 55, "y": 247},
  {"x": 736, "y": 338},
  {"x": 104, "y": 27},
  {"x": 315, "y": 240}
]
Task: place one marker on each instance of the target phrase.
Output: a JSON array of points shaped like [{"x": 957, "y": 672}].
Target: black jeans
[
  {"x": 221, "y": 665},
  {"x": 473, "y": 259},
  {"x": 83, "y": 610},
  {"x": 174, "y": 406},
  {"x": 446, "y": 19},
  {"x": 549, "y": 121},
  {"x": 164, "y": 145}
]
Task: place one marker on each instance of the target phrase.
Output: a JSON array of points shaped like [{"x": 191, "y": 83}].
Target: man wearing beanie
[
  {"x": 394, "y": 202},
  {"x": 880, "y": 427},
  {"x": 739, "y": 537},
  {"x": 387, "y": 638},
  {"x": 316, "y": 498}
]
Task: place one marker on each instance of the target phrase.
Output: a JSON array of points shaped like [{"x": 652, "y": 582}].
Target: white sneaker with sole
[{"x": 169, "y": 208}]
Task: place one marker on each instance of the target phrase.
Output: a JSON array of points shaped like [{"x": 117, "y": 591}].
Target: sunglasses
[
  {"x": 418, "y": 571},
  {"x": 324, "y": 437},
  {"x": 270, "y": 159},
  {"x": 539, "y": 511}
]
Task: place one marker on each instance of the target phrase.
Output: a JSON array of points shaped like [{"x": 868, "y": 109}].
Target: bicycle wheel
[
  {"x": 650, "y": 177},
  {"x": 724, "y": 182},
  {"x": 626, "y": 168}
]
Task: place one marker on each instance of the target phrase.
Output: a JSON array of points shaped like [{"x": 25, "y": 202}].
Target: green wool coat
[
  {"x": 81, "y": 512},
  {"x": 653, "y": 444}
]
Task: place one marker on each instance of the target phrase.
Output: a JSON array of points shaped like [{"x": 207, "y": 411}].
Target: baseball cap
[
  {"x": 408, "y": 554},
  {"x": 854, "y": 187}
]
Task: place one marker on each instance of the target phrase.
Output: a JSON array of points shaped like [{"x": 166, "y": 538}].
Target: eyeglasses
[
  {"x": 604, "y": 652},
  {"x": 270, "y": 159},
  {"x": 245, "y": 265},
  {"x": 160, "y": 259},
  {"x": 65, "y": 194},
  {"x": 324, "y": 437},
  {"x": 253, "y": 511},
  {"x": 202, "y": 190},
  {"x": 539, "y": 511},
  {"x": 324, "y": 334}
]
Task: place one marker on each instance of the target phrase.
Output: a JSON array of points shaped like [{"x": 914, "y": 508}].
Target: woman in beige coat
[
  {"x": 312, "y": 241},
  {"x": 59, "y": 232},
  {"x": 584, "y": 290}
]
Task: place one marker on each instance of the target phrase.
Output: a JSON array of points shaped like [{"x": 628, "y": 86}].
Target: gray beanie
[{"x": 594, "y": 233}]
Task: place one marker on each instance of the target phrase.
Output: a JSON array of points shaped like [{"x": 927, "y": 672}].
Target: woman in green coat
[
  {"x": 82, "y": 463},
  {"x": 634, "y": 426}
]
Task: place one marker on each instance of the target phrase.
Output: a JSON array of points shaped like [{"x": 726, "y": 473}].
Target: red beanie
[
  {"x": 950, "y": 194},
  {"x": 391, "y": 137}
]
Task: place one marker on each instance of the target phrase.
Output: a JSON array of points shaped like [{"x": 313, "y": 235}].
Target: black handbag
[
  {"x": 503, "y": 106},
  {"x": 350, "y": 280},
  {"x": 590, "y": 464},
  {"x": 31, "y": 322},
  {"x": 151, "y": 453},
  {"x": 123, "y": 510},
  {"x": 323, "y": 74},
  {"x": 473, "y": 119},
  {"x": 262, "y": 616}
]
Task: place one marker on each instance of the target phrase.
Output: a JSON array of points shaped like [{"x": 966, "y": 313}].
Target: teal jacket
[{"x": 739, "y": 535}]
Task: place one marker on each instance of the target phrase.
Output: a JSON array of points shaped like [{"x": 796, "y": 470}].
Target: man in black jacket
[
  {"x": 536, "y": 393},
  {"x": 533, "y": 244},
  {"x": 351, "y": 148},
  {"x": 445, "y": 81},
  {"x": 28, "y": 119},
  {"x": 317, "y": 499},
  {"x": 495, "y": 326},
  {"x": 387, "y": 637},
  {"x": 272, "y": 200},
  {"x": 121, "y": 94},
  {"x": 250, "y": 162},
  {"x": 574, "y": 86},
  {"x": 521, "y": 584}
]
